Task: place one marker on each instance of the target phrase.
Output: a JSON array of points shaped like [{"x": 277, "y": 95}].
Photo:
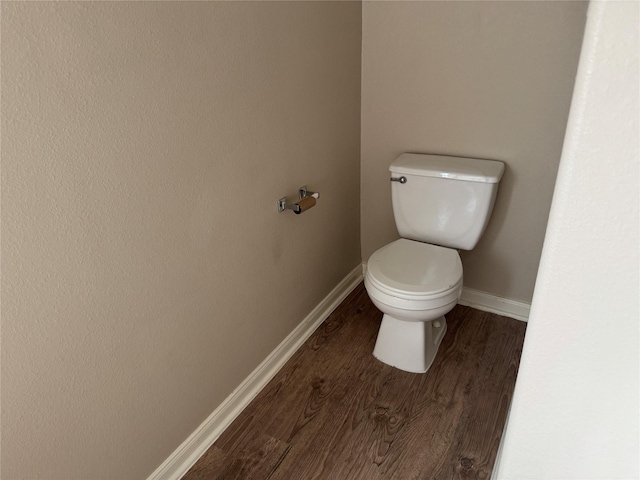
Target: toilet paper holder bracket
[{"x": 303, "y": 193}]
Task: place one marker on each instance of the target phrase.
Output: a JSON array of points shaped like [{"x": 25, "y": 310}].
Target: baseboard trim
[
  {"x": 491, "y": 303},
  {"x": 183, "y": 458}
]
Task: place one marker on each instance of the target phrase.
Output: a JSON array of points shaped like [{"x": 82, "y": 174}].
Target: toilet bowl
[{"x": 414, "y": 285}]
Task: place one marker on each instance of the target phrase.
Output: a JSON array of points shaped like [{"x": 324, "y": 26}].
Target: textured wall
[
  {"x": 145, "y": 270},
  {"x": 480, "y": 79},
  {"x": 575, "y": 408}
]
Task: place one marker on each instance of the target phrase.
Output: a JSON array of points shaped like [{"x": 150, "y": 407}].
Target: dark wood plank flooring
[{"x": 335, "y": 412}]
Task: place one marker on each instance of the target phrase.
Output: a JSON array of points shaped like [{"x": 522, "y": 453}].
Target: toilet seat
[{"x": 416, "y": 272}]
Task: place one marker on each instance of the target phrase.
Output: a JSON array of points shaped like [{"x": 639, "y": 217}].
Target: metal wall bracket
[
  {"x": 302, "y": 205},
  {"x": 283, "y": 205},
  {"x": 303, "y": 193}
]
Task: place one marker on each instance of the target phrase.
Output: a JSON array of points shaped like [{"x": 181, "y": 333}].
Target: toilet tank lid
[{"x": 442, "y": 166}]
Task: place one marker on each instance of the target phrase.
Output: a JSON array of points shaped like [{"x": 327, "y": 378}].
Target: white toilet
[{"x": 440, "y": 204}]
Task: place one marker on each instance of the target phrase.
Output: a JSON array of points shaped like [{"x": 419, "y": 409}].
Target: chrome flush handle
[{"x": 401, "y": 179}]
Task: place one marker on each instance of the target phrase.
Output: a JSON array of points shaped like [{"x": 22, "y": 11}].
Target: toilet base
[{"x": 409, "y": 346}]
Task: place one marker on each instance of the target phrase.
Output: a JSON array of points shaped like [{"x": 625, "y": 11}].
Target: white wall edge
[
  {"x": 495, "y": 472},
  {"x": 491, "y": 303},
  {"x": 186, "y": 455}
]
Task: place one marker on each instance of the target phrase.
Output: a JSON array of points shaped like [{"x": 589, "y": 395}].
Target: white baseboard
[
  {"x": 183, "y": 458},
  {"x": 490, "y": 303}
]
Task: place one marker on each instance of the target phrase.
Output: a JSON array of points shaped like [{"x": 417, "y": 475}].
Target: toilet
[{"x": 441, "y": 204}]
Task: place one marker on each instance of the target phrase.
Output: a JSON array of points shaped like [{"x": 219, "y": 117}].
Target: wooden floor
[{"x": 336, "y": 412}]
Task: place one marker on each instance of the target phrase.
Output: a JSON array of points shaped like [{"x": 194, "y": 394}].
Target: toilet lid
[{"x": 415, "y": 268}]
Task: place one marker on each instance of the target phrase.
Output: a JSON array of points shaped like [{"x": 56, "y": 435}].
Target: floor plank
[{"x": 335, "y": 412}]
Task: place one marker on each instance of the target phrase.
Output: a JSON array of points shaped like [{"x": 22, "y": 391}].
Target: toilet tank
[{"x": 445, "y": 200}]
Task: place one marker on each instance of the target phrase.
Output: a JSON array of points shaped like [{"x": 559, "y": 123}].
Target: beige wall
[
  {"x": 480, "y": 79},
  {"x": 145, "y": 270}
]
